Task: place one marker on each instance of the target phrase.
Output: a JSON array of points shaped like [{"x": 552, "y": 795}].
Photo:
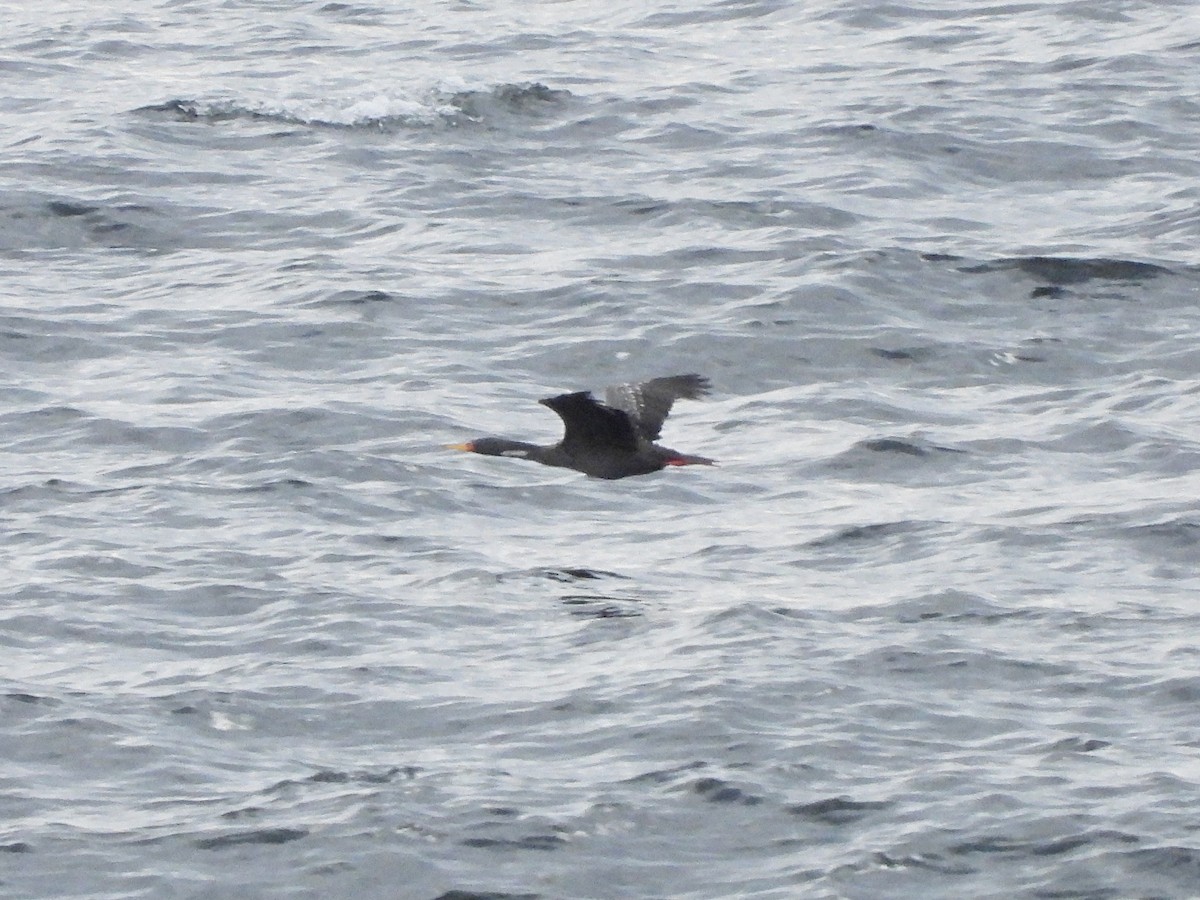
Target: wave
[
  {"x": 382, "y": 112},
  {"x": 1063, "y": 270}
]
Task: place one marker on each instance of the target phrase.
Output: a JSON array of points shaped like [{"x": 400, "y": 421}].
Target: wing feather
[{"x": 648, "y": 403}]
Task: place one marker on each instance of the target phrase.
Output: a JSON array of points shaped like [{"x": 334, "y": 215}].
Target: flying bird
[{"x": 613, "y": 439}]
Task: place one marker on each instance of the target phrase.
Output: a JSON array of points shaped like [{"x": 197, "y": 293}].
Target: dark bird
[{"x": 613, "y": 439}]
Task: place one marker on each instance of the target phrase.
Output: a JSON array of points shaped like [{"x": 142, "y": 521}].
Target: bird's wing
[
  {"x": 649, "y": 403},
  {"x": 592, "y": 425}
]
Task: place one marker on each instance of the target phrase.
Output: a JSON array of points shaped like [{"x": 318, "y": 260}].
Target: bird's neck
[{"x": 515, "y": 449}]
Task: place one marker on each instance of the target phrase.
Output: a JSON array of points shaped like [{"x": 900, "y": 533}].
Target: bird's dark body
[{"x": 609, "y": 440}]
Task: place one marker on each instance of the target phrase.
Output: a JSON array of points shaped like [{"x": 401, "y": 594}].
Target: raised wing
[
  {"x": 590, "y": 425},
  {"x": 649, "y": 403}
]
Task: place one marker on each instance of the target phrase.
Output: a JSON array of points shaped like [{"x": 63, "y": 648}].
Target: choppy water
[{"x": 930, "y": 630}]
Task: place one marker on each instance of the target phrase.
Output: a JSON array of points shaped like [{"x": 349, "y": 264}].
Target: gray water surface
[{"x": 930, "y": 630}]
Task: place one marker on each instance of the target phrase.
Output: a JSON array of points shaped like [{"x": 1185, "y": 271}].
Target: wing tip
[
  {"x": 697, "y": 385},
  {"x": 560, "y": 400}
]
